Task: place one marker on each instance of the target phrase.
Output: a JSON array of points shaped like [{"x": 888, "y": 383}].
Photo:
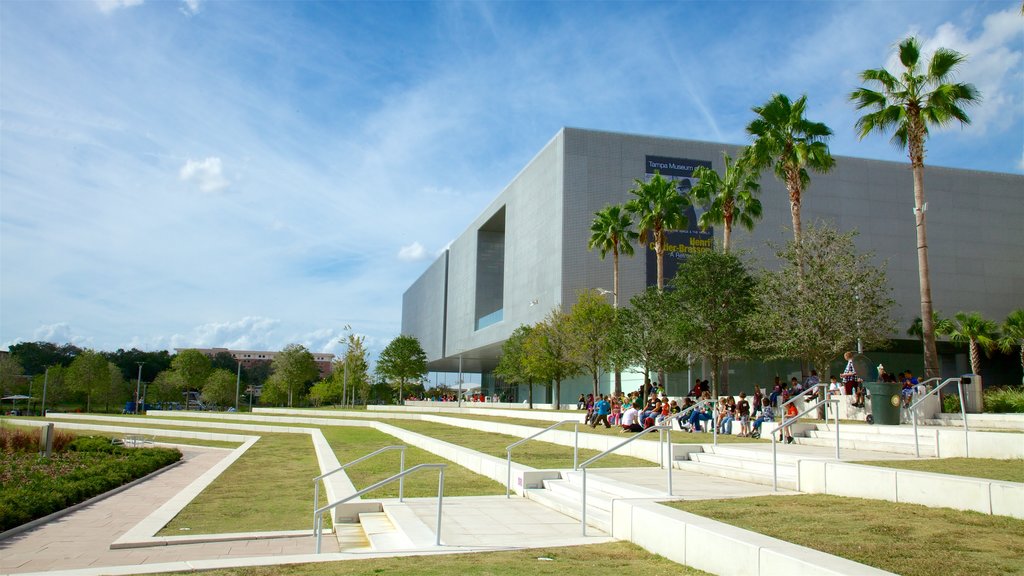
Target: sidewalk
[{"x": 82, "y": 538}]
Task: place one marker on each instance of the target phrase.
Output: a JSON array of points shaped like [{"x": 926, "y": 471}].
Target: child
[
  {"x": 743, "y": 409},
  {"x": 767, "y": 415}
]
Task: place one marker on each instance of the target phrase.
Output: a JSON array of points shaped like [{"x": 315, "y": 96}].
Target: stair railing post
[
  {"x": 837, "y": 427},
  {"x": 917, "y": 443},
  {"x": 508, "y": 472},
  {"x": 583, "y": 514},
  {"x": 316, "y": 524},
  {"x": 670, "y": 460},
  {"x": 775, "y": 466},
  {"x": 401, "y": 480},
  {"x": 440, "y": 501},
  {"x": 714, "y": 434},
  {"x": 575, "y": 444},
  {"x": 963, "y": 414}
]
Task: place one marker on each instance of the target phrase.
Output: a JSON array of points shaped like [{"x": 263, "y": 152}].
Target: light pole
[
  {"x": 238, "y": 382},
  {"x": 138, "y": 385},
  {"x": 344, "y": 376},
  {"x": 46, "y": 380}
]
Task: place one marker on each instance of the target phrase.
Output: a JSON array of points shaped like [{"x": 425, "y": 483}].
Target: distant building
[{"x": 249, "y": 358}]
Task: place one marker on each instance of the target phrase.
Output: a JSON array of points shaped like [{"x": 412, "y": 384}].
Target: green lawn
[
  {"x": 613, "y": 558},
  {"x": 990, "y": 468},
  {"x": 907, "y": 539}
]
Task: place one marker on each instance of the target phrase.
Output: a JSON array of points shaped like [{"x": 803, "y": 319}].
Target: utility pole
[
  {"x": 46, "y": 379},
  {"x": 138, "y": 385},
  {"x": 238, "y": 382},
  {"x": 344, "y": 377}
]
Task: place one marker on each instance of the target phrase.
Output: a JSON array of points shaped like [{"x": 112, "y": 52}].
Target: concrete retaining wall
[
  {"x": 720, "y": 548},
  {"x": 912, "y": 487}
]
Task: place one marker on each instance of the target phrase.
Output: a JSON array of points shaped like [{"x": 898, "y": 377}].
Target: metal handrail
[
  {"x": 963, "y": 414},
  {"x": 789, "y": 422},
  {"x": 318, "y": 513},
  {"x": 714, "y": 424},
  {"x": 661, "y": 428},
  {"x": 401, "y": 468},
  {"x": 508, "y": 451}
]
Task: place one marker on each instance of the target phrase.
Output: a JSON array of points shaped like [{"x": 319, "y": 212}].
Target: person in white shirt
[{"x": 629, "y": 420}]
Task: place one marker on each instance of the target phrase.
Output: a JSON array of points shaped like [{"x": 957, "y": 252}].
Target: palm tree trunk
[
  {"x": 726, "y": 232},
  {"x": 975, "y": 357},
  {"x": 615, "y": 305},
  {"x": 931, "y": 356},
  {"x": 659, "y": 251}
]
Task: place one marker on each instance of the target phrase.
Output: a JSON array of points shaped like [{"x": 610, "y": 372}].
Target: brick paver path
[{"x": 82, "y": 539}]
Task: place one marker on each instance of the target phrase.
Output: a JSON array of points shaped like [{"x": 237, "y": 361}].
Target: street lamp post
[
  {"x": 344, "y": 376},
  {"x": 138, "y": 385},
  {"x": 238, "y": 382},
  {"x": 46, "y": 380}
]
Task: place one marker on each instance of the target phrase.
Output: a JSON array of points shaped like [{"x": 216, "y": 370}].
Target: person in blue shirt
[{"x": 602, "y": 408}]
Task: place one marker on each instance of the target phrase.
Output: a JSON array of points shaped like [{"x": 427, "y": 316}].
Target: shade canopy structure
[{"x": 15, "y": 398}]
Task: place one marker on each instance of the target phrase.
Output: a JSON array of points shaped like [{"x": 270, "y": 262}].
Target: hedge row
[{"x": 111, "y": 466}]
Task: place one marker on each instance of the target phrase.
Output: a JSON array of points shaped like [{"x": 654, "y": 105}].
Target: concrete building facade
[{"x": 527, "y": 251}]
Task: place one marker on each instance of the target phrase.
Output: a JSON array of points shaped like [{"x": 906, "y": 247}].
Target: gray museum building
[{"x": 526, "y": 253}]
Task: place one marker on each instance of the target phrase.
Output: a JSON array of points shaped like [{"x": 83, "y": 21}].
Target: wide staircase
[
  {"x": 393, "y": 529},
  {"x": 742, "y": 463},
  {"x": 876, "y": 438}
]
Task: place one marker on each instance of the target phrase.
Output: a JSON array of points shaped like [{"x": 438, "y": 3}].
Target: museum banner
[{"x": 678, "y": 243}]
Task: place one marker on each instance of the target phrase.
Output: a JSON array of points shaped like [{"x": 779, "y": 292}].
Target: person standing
[
  {"x": 849, "y": 375},
  {"x": 602, "y": 408}
]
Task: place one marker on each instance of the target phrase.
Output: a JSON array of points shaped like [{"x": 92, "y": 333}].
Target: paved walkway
[{"x": 82, "y": 538}]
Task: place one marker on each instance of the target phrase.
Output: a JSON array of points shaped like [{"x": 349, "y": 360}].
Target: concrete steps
[
  {"x": 754, "y": 466},
  {"x": 565, "y": 495},
  {"x": 381, "y": 532},
  {"x": 877, "y": 438},
  {"x": 352, "y": 538}
]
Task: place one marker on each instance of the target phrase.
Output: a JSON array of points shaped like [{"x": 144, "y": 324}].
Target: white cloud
[
  {"x": 993, "y": 65},
  {"x": 190, "y": 7},
  {"x": 108, "y": 6},
  {"x": 249, "y": 333},
  {"x": 207, "y": 174},
  {"x": 412, "y": 252}
]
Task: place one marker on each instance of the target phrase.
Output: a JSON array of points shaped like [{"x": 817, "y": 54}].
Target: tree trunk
[
  {"x": 931, "y": 356},
  {"x": 529, "y": 393},
  {"x": 975, "y": 357},
  {"x": 793, "y": 186},
  {"x": 727, "y": 229},
  {"x": 558, "y": 391},
  {"x": 659, "y": 251},
  {"x": 615, "y": 304}
]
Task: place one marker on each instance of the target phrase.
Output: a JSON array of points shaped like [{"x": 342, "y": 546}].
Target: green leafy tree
[
  {"x": 219, "y": 388},
  {"x": 224, "y": 361},
  {"x": 846, "y": 298},
  {"x": 401, "y": 362},
  {"x": 714, "y": 298},
  {"x": 590, "y": 324},
  {"x": 354, "y": 368},
  {"x": 548, "y": 352},
  {"x": 89, "y": 376},
  {"x": 128, "y": 362},
  {"x": 294, "y": 368},
  {"x": 1013, "y": 335},
  {"x": 326, "y": 391},
  {"x": 193, "y": 368},
  {"x": 166, "y": 387},
  {"x": 36, "y": 356},
  {"x": 730, "y": 199},
  {"x": 116, "y": 391},
  {"x": 785, "y": 140},
  {"x": 275, "y": 391},
  {"x": 908, "y": 104},
  {"x": 977, "y": 332},
  {"x": 658, "y": 207},
  {"x": 10, "y": 371},
  {"x": 643, "y": 336},
  {"x": 55, "y": 382},
  {"x": 513, "y": 367}
]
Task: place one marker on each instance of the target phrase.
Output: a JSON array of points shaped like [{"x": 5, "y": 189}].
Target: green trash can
[{"x": 885, "y": 402}]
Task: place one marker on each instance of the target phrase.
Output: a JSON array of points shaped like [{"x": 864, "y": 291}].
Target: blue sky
[{"x": 251, "y": 175}]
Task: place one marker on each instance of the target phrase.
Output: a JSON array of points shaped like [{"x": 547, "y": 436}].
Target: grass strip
[
  {"x": 267, "y": 488},
  {"x": 535, "y": 453},
  {"x": 907, "y": 539},
  {"x": 612, "y": 557},
  {"x": 1011, "y": 470}
]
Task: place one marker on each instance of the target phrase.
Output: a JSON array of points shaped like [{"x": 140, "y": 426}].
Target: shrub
[
  {"x": 18, "y": 440},
  {"x": 1005, "y": 400},
  {"x": 32, "y": 487},
  {"x": 951, "y": 404}
]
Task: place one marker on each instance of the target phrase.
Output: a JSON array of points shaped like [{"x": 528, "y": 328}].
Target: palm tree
[
  {"x": 729, "y": 198},
  {"x": 659, "y": 208},
  {"x": 1013, "y": 334},
  {"x": 980, "y": 333},
  {"x": 908, "y": 104},
  {"x": 916, "y": 329},
  {"x": 784, "y": 139},
  {"x": 612, "y": 231}
]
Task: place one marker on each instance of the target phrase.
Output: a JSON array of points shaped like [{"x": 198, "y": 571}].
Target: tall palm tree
[
  {"x": 1013, "y": 334},
  {"x": 658, "y": 208},
  {"x": 980, "y": 333},
  {"x": 730, "y": 198},
  {"x": 612, "y": 231},
  {"x": 942, "y": 326},
  {"x": 907, "y": 105},
  {"x": 784, "y": 139}
]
